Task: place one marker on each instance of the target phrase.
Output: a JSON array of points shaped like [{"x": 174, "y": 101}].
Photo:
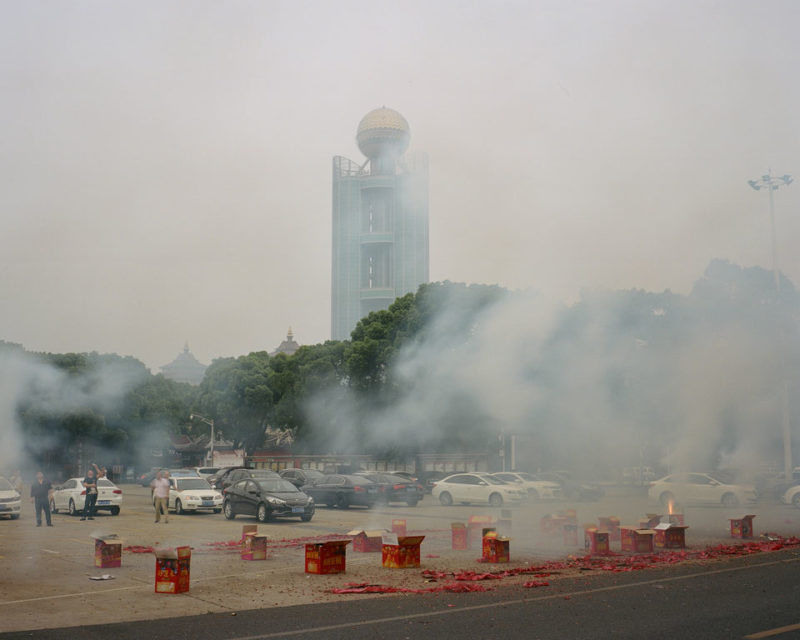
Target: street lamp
[
  {"x": 773, "y": 183},
  {"x": 209, "y": 422}
]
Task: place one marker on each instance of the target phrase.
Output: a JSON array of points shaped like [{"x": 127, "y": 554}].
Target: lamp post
[
  {"x": 209, "y": 422},
  {"x": 773, "y": 183}
]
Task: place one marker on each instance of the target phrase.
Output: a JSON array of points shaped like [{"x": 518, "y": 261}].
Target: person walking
[
  {"x": 40, "y": 496},
  {"x": 161, "y": 485},
  {"x": 90, "y": 484}
]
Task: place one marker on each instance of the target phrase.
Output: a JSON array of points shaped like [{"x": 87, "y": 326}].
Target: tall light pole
[
  {"x": 773, "y": 183},
  {"x": 209, "y": 422}
]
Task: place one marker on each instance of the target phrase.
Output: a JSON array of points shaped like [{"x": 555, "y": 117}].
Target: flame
[{"x": 670, "y": 506}]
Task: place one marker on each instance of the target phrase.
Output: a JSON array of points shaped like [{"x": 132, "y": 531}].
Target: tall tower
[{"x": 380, "y": 222}]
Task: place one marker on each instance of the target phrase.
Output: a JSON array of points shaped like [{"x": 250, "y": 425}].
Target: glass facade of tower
[{"x": 380, "y": 235}]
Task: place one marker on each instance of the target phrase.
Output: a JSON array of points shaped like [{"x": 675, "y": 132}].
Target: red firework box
[
  {"x": 248, "y": 528},
  {"x": 495, "y": 548},
  {"x": 475, "y": 526},
  {"x": 107, "y": 551},
  {"x": 459, "y": 536},
  {"x": 610, "y": 524},
  {"x": 401, "y": 552},
  {"x": 367, "y": 540},
  {"x": 399, "y": 527},
  {"x": 650, "y": 520},
  {"x": 670, "y": 536},
  {"x": 254, "y": 547},
  {"x": 740, "y": 527},
  {"x": 596, "y": 541},
  {"x": 636, "y": 540},
  {"x": 172, "y": 569},
  {"x": 326, "y": 557}
]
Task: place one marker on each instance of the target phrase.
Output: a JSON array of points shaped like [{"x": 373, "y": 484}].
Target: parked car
[
  {"x": 216, "y": 479},
  {"x": 570, "y": 488},
  {"x": 700, "y": 488},
  {"x": 300, "y": 477},
  {"x": 146, "y": 478},
  {"x": 537, "y": 489},
  {"x": 10, "y": 500},
  {"x": 240, "y": 474},
  {"x": 206, "y": 472},
  {"x": 395, "y": 488},
  {"x": 405, "y": 474},
  {"x": 790, "y": 496},
  {"x": 188, "y": 493},
  {"x": 338, "y": 490},
  {"x": 430, "y": 478},
  {"x": 479, "y": 488},
  {"x": 267, "y": 498},
  {"x": 71, "y": 496}
]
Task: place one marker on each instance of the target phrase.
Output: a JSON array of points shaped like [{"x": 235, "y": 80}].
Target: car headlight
[
  {"x": 191, "y": 497},
  {"x": 276, "y": 501},
  {"x": 310, "y": 500}
]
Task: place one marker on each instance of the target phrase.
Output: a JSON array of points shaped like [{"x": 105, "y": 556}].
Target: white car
[
  {"x": 71, "y": 496},
  {"x": 206, "y": 472},
  {"x": 790, "y": 496},
  {"x": 537, "y": 489},
  {"x": 477, "y": 488},
  {"x": 10, "y": 501},
  {"x": 700, "y": 488},
  {"x": 193, "y": 494}
]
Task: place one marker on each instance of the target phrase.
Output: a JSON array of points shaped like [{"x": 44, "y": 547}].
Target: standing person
[
  {"x": 40, "y": 496},
  {"x": 90, "y": 484},
  {"x": 161, "y": 485}
]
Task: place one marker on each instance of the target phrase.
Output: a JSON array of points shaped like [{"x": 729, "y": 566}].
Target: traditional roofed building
[
  {"x": 185, "y": 368},
  {"x": 288, "y": 346}
]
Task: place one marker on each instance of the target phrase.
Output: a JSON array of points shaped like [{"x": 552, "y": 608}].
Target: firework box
[
  {"x": 475, "y": 526},
  {"x": 459, "y": 536},
  {"x": 636, "y": 539},
  {"x": 610, "y": 524},
  {"x": 650, "y": 520},
  {"x": 367, "y": 541},
  {"x": 248, "y": 528},
  {"x": 596, "y": 541},
  {"x": 326, "y": 557},
  {"x": 172, "y": 569},
  {"x": 254, "y": 547},
  {"x": 401, "y": 552},
  {"x": 399, "y": 527},
  {"x": 495, "y": 548},
  {"x": 107, "y": 551},
  {"x": 740, "y": 527},
  {"x": 669, "y": 536}
]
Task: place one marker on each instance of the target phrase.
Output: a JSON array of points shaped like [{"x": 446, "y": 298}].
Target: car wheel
[
  {"x": 262, "y": 514},
  {"x": 114, "y": 511},
  {"x": 342, "y": 502},
  {"x": 665, "y": 498},
  {"x": 496, "y": 500},
  {"x": 307, "y": 518},
  {"x": 72, "y": 510},
  {"x": 533, "y": 495},
  {"x": 730, "y": 500},
  {"x": 227, "y": 508},
  {"x": 179, "y": 508},
  {"x": 445, "y": 498},
  {"x": 53, "y": 506},
  {"x": 412, "y": 503}
]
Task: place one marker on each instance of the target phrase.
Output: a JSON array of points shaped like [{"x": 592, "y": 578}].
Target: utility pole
[{"x": 209, "y": 422}]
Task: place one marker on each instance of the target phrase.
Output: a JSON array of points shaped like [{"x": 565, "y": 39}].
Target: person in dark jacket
[
  {"x": 40, "y": 496},
  {"x": 90, "y": 484}
]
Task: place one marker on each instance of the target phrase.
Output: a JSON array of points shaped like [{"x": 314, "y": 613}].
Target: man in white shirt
[{"x": 161, "y": 485}]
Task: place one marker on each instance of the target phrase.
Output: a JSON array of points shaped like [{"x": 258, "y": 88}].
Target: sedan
[
  {"x": 10, "y": 501},
  {"x": 193, "y": 494},
  {"x": 394, "y": 488},
  {"x": 71, "y": 496},
  {"x": 537, "y": 489},
  {"x": 267, "y": 498},
  {"x": 339, "y": 490},
  {"x": 235, "y": 475},
  {"x": 790, "y": 496},
  {"x": 300, "y": 477},
  {"x": 699, "y": 488},
  {"x": 481, "y": 488}
]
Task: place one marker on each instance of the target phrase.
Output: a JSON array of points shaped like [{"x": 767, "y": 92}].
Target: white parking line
[{"x": 773, "y": 632}]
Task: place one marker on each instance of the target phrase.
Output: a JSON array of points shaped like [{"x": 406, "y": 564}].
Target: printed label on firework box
[
  {"x": 669, "y": 536},
  {"x": 596, "y": 541},
  {"x": 108, "y": 551},
  {"x": 172, "y": 569},
  {"x": 401, "y": 552},
  {"x": 367, "y": 540},
  {"x": 742, "y": 527},
  {"x": 254, "y": 547},
  {"x": 495, "y": 548},
  {"x": 399, "y": 527},
  {"x": 327, "y": 557},
  {"x": 636, "y": 539},
  {"x": 610, "y": 524},
  {"x": 459, "y": 536}
]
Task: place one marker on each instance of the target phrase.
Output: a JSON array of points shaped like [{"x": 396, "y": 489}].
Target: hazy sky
[{"x": 165, "y": 167}]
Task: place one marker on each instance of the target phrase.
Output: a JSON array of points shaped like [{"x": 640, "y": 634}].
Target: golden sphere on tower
[{"x": 383, "y": 132}]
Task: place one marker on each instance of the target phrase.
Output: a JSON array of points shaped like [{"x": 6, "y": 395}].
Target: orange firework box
[
  {"x": 740, "y": 527},
  {"x": 636, "y": 540},
  {"x": 495, "y": 548},
  {"x": 172, "y": 569},
  {"x": 248, "y": 528},
  {"x": 610, "y": 524},
  {"x": 670, "y": 536},
  {"x": 326, "y": 557},
  {"x": 367, "y": 541},
  {"x": 459, "y": 536},
  {"x": 399, "y": 527},
  {"x": 254, "y": 547},
  {"x": 475, "y": 526},
  {"x": 107, "y": 551},
  {"x": 596, "y": 541},
  {"x": 401, "y": 552}
]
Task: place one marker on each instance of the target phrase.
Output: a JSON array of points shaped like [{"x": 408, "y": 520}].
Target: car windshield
[
  {"x": 277, "y": 485},
  {"x": 391, "y": 478},
  {"x": 525, "y": 476},
  {"x": 313, "y": 474},
  {"x": 262, "y": 473},
  {"x": 192, "y": 483},
  {"x": 5, "y": 485},
  {"x": 493, "y": 480}
]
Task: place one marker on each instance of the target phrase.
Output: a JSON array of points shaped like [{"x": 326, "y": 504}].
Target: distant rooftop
[
  {"x": 185, "y": 368},
  {"x": 288, "y": 346}
]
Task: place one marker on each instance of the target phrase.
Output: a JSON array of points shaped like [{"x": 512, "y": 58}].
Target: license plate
[
  {"x": 4, "y": 508},
  {"x": 298, "y": 510},
  {"x": 208, "y": 503},
  {"x": 104, "y": 502},
  {"x": 372, "y": 490},
  {"x": 411, "y": 489}
]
